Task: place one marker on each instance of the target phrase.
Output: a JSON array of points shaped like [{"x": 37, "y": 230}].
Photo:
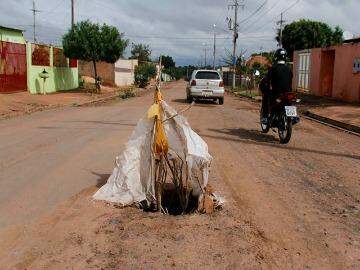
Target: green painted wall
[
  {"x": 11, "y": 36},
  {"x": 60, "y": 78}
]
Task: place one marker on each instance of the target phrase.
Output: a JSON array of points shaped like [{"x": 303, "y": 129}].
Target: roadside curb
[
  {"x": 95, "y": 101},
  {"x": 312, "y": 116},
  {"x": 244, "y": 96},
  {"x": 334, "y": 123},
  {"x": 250, "y": 98}
]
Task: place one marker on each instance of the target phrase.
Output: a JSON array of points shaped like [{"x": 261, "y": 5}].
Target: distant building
[
  {"x": 257, "y": 59},
  {"x": 121, "y": 73},
  {"x": 353, "y": 40},
  {"x": 225, "y": 69},
  {"x": 12, "y": 35},
  {"x": 332, "y": 71}
]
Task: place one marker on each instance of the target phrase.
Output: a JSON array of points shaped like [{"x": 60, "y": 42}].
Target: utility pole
[
  {"x": 234, "y": 27},
  {"x": 72, "y": 13},
  {"x": 214, "y": 54},
  {"x": 281, "y": 23},
  {"x": 205, "y": 54},
  {"x": 34, "y": 10}
]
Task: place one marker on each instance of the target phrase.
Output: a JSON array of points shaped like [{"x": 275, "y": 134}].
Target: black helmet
[{"x": 280, "y": 55}]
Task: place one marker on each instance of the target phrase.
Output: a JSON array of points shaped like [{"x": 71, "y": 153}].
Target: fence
[
  {"x": 62, "y": 72},
  {"x": 228, "y": 77},
  {"x": 13, "y": 77}
]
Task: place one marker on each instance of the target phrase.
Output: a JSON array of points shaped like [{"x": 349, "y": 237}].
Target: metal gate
[{"x": 13, "y": 76}]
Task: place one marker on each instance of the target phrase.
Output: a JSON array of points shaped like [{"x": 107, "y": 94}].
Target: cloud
[{"x": 179, "y": 28}]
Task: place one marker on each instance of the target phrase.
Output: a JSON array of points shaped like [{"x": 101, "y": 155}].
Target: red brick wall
[{"x": 105, "y": 70}]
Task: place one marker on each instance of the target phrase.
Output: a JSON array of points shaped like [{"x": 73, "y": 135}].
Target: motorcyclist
[{"x": 278, "y": 81}]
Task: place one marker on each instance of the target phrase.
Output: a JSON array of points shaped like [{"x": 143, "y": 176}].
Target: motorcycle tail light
[{"x": 290, "y": 96}]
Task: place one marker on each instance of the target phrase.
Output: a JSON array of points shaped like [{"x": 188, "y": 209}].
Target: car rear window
[{"x": 207, "y": 75}]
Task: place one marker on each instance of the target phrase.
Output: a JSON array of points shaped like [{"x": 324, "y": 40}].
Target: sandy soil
[{"x": 288, "y": 207}]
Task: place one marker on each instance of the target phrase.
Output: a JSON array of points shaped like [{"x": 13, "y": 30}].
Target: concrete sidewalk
[
  {"x": 16, "y": 104},
  {"x": 334, "y": 112}
]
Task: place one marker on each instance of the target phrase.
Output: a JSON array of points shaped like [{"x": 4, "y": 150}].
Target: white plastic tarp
[{"x": 131, "y": 180}]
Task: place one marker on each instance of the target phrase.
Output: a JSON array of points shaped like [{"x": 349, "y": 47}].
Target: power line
[
  {"x": 54, "y": 8},
  {"x": 274, "y": 18},
  {"x": 263, "y": 14},
  {"x": 254, "y": 13},
  {"x": 173, "y": 37}
]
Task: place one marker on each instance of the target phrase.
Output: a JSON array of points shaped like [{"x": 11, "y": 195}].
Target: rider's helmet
[{"x": 280, "y": 55}]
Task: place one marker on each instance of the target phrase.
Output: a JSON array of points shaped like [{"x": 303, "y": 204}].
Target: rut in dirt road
[{"x": 288, "y": 206}]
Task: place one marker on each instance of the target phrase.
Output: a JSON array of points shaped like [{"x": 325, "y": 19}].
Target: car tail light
[
  {"x": 193, "y": 83},
  {"x": 221, "y": 84}
]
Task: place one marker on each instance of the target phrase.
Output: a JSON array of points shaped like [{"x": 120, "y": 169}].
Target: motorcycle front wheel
[{"x": 285, "y": 129}]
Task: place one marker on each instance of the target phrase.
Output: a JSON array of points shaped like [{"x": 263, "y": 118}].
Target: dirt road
[{"x": 288, "y": 207}]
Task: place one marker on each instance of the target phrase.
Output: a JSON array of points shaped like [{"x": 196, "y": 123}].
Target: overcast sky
[{"x": 180, "y": 28}]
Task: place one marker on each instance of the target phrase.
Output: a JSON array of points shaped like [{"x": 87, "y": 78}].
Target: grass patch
[{"x": 249, "y": 93}]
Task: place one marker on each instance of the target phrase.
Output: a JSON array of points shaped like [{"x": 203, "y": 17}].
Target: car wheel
[
  {"x": 221, "y": 101},
  {"x": 189, "y": 99}
]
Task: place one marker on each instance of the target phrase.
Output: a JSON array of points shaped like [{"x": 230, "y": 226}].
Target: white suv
[{"x": 205, "y": 84}]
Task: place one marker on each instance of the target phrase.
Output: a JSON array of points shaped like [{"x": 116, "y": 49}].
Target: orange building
[
  {"x": 257, "y": 59},
  {"x": 331, "y": 72}
]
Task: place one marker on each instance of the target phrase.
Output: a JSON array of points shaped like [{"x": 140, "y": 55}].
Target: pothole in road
[{"x": 175, "y": 202}]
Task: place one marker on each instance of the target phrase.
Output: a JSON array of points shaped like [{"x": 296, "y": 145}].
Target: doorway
[{"x": 327, "y": 73}]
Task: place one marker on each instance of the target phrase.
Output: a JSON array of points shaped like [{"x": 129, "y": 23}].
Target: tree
[
  {"x": 94, "y": 42},
  {"x": 167, "y": 61},
  {"x": 141, "y": 52},
  {"x": 307, "y": 34},
  {"x": 240, "y": 61},
  {"x": 143, "y": 74}
]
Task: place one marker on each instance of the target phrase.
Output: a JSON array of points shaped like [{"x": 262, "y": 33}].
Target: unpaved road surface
[{"x": 292, "y": 206}]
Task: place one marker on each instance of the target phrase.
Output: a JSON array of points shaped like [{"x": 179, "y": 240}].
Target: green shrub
[
  {"x": 174, "y": 72},
  {"x": 143, "y": 74},
  {"x": 128, "y": 93}
]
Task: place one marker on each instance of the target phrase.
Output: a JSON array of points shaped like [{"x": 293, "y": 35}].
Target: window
[
  {"x": 207, "y": 75},
  {"x": 40, "y": 55}
]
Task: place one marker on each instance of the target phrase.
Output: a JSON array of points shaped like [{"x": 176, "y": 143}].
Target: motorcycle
[{"x": 283, "y": 115}]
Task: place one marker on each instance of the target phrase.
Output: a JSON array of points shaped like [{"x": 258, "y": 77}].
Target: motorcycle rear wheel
[
  {"x": 264, "y": 127},
  {"x": 285, "y": 131}
]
